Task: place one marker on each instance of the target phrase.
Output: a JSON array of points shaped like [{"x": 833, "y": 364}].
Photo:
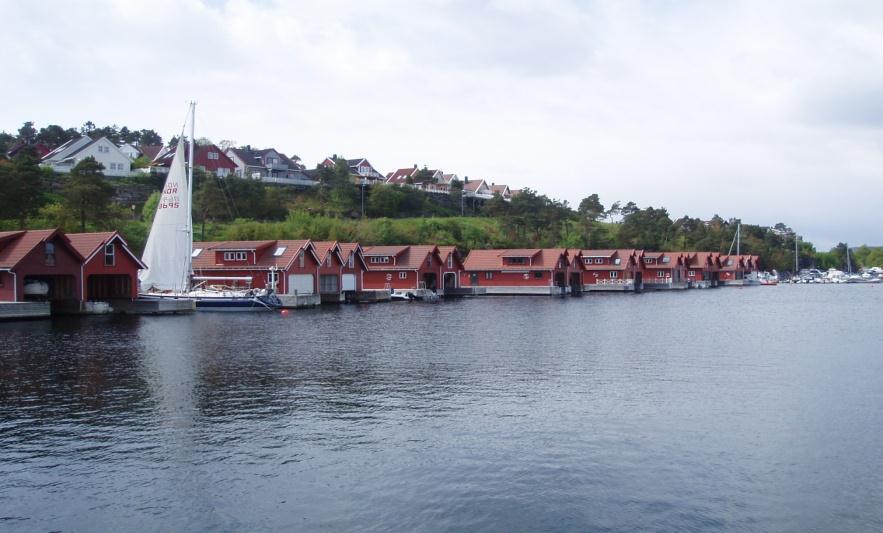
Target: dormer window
[
  {"x": 599, "y": 261},
  {"x": 380, "y": 260},
  {"x": 279, "y": 251},
  {"x": 517, "y": 260},
  {"x": 49, "y": 254},
  {"x": 617, "y": 261},
  {"x": 666, "y": 259},
  {"x": 328, "y": 260},
  {"x": 196, "y": 252},
  {"x": 451, "y": 261},
  {"x": 649, "y": 260},
  {"x": 351, "y": 262},
  {"x": 300, "y": 259},
  {"x": 235, "y": 256},
  {"x": 109, "y": 254}
]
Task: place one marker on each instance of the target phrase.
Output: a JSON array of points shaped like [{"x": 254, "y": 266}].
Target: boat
[{"x": 169, "y": 248}]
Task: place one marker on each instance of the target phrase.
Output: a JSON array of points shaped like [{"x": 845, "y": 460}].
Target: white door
[
  {"x": 300, "y": 283},
  {"x": 349, "y": 282}
]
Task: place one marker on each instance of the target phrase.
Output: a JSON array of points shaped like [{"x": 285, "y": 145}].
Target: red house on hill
[
  {"x": 611, "y": 270},
  {"x": 522, "y": 271},
  {"x": 664, "y": 270},
  {"x": 39, "y": 265},
  {"x": 207, "y": 157},
  {"x": 109, "y": 269},
  {"x": 289, "y": 265},
  {"x": 452, "y": 266},
  {"x": 402, "y": 267}
]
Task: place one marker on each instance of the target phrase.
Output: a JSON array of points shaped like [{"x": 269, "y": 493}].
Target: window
[
  {"x": 649, "y": 260},
  {"x": 103, "y": 149},
  {"x": 729, "y": 262},
  {"x": 351, "y": 262},
  {"x": 383, "y": 259},
  {"x": 235, "y": 256},
  {"x": 666, "y": 259},
  {"x": 328, "y": 260},
  {"x": 660, "y": 274},
  {"x": 272, "y": 278},
  {"x": 617, "y": 261},
  {"x": 196, "y": 252},
  {"x": 1, "y": 280},
  {"x": 300, "y": 259},
  {"x": 279, "y": 251},
  {"x": 49, "y": 253},
  {"x": 488, "y": 275},
  {"x": 517, "y": 260},
  {"x": 213, "y": 155},
  {"x": 429, "y": 261},
  {"x": 538, "y": 275},
  {"x": 587, "y": 260},
  {"x": 451, "y": 261},
  {"x": 109, "y": 254},
  {"x": 692, "y": 273},
  {"x": 613, "y": 274},
  {"x": 403, "y": 275},
  {"x": 599, "y": 261}
]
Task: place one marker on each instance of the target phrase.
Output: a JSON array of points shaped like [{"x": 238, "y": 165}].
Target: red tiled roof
[
  {"x": 16, "y": 248},
  {"x": 546, "y": 259},
  {"x": 87, "y": 244},
  {"x": 401, "y": 175},
  {"x": 348, "y": 248},
  {"x": 598, "y": 253},
  {"x": 473, "y": 185},
  {"x": 324, "y": 247},
  {"x": 520, "y": 252},
  {"x": 266, "y": 253},
  {"x": 407, "y": 257}
]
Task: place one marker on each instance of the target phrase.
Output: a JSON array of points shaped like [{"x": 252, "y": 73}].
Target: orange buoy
[{"x": 284, "y": 312}]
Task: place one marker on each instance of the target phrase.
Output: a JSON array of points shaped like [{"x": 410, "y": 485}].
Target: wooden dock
[{"x": 19, "y": 310}]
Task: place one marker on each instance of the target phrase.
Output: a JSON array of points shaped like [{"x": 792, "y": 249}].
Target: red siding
[
  {"x": 506, "y": 279},
  {"x": 34, "y": 264},
  {"x": 7, "y": 287},
  {"x": 123, "y": 265}
]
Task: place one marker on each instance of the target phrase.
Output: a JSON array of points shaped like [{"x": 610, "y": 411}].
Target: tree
[
  {"x": 54, "y": 135},
  {"x": 6, "y": 142},
  {"x": 22, "y": 185},
  {"x": 86, "y": 194},
  {"x": 591, "y": 208},
  {"x": 27, "y": 133},
  {"x": 148, "y": 137},
  {"x": 88, "y": 127},
  {"x": 209, "y": 203}
]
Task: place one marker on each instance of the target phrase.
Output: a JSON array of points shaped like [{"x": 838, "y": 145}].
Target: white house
[
  {"x": 130, "y": 151},
  {"x": 66, "y": 156}
]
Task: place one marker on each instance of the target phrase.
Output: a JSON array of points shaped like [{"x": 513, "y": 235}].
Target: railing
[{"x": 614, "y": 282}]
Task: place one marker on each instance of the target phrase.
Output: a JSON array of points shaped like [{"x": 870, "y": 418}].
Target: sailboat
[{"x": 169, "y": 248}]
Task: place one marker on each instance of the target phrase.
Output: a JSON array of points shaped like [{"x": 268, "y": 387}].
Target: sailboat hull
[{"x": 222, "y": 303}]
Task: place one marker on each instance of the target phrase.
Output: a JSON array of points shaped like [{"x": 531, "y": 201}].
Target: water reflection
[{"x": 624, "y": 412}]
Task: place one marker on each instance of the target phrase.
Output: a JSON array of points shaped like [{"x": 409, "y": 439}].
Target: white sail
[{"x": 168, "y": 250}]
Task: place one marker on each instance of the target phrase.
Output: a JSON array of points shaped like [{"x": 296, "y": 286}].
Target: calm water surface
[{"x": 732, "y": 409}]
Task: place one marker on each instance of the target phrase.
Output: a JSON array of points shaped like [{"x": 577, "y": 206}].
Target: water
[{"x": 732, "y": 409}]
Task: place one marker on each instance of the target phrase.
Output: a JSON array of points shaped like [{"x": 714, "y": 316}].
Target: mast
[
  {"x": 188, "y": 267},
  {"x": 848, "y": 262},
  {"x": 796, "y": 256},
  {"x": 738, "y": 238}
]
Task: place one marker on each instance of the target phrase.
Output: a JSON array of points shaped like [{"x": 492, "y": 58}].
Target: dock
[
  {"x": 371, "y": 296},
  {"x": 21, "y": 310},
  {"x": 167, "y": 306},
  {"x": 299, "y": 301}
]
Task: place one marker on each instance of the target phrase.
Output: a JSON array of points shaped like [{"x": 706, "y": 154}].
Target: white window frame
[
  {"x": 403, "y": 275},
  {"x": 660, "y": 273},
  {"x": 351, "y": 262},
  {"x": 451, "y": 261},
  {"x": 614, "y": 274},
  {"x": 112, "y": 255},
  {"x": 300, "y": 259},
  {"x": 235, "y": 256},
  {"x": 599, "y": 260},
  {"x": 488, "y": 275},
  {"x": 692, "y": 273}
]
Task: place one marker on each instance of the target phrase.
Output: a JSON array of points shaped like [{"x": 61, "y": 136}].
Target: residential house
[
  {"x": 110, "y": 269},
  {"x": 502, "y": 190},
  {"x": 68, "y": 155},
  {"x": 360, "y": 168},
  {"x": 523, "y": 271},
  {"x": 268, "y": 165},
  {"x": 478, "y": 189},
  {"x": 39, "y": 150},
  {"x": 153, "y": 151},
  {"x": 402, "y": 267},
  {"x": 207, "y": 157},
  {"x": 664, "y": 270},
  {"x": 131, "y": 152}
]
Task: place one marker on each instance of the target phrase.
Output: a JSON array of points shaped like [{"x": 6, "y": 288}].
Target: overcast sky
[{"x": 767, "y": 111}]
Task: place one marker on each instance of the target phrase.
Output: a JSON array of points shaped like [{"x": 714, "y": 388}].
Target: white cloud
[{"x": 767, "y": 111}]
